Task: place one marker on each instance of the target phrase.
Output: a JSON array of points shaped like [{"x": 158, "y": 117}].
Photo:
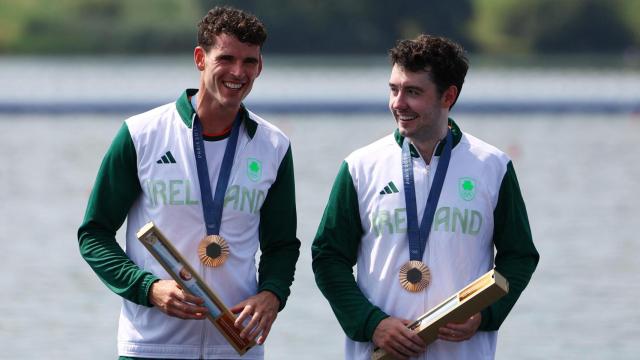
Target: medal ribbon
[
  {"x": 212, "y": 205},
  {"x": 418, "y": 236}
]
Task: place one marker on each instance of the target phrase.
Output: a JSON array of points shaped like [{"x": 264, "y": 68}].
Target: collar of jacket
[
  {"x": 455, "y": 131},
  {"x": 186, "y": 112}
]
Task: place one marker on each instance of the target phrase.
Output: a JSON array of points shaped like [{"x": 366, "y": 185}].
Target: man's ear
[
  {"x": 199, "y": 56},
  {"x": 449, "y": 97},
  {"x": 259, "y": 65}
]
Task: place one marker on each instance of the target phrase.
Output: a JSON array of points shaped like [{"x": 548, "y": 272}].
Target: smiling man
[
  {"x": 218, "y": 181},
  {"x": 421, "y": 212}
]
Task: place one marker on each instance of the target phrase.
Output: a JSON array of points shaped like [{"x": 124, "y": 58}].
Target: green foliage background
[{"x": 495, "y": 27}]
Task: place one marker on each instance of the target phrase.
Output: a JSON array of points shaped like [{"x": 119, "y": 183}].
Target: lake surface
[
  {"x": 355, "y": 84},
  {"x": 578, "y": 173}
]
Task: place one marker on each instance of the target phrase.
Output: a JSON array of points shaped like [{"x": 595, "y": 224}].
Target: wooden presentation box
[
  {"x": 476, "y": 296},
  {"x": 167, "y": 255}
]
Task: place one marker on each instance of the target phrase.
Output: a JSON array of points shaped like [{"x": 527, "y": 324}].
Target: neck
[
  {"x": 426, "y": 145},
  {"x": 215, "y": 118}
]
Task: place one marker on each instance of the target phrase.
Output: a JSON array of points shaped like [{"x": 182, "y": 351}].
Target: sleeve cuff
[
  {"x": 275, "y": 291},
  {"x": 148, "y": 280},
  {"x": 484, "y": 321},
  {"x": 370, "y": 327}
]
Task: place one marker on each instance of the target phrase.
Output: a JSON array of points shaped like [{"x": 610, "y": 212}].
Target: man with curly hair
[
  {"x": 218, "y": 181},
  {"x": 420, "y": 212}
]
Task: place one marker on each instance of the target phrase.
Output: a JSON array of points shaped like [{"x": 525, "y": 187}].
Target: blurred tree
[
  {"x": 324, "y": 27},
  {"x": 629, "y": 13},
  {"x": 549, "y": 26},
  {"x": 10, "y": 25},
  {"x": 352, "y": 27},
  {"x": 98, "y": 26}
]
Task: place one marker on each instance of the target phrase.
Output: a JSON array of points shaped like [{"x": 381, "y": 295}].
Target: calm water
[
  {"x": 579, "y": 176},
  {"x": 294, "y": 79}
]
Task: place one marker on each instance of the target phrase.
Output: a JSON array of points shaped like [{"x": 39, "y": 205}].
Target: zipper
[
  {"x": 204, "y": 325},
  {"x": 202, "y": 341},
  {"x": 430, "y": 165},
  {"x": 233, "y": 176},
  {"x": 427, "y": 249}
]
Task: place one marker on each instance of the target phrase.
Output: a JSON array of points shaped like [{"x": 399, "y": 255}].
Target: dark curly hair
[
  {"x": 227, "y": 20},
  {"x": 442, "y": 58}
]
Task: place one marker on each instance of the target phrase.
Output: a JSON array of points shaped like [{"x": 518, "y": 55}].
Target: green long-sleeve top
[
  {"x": 337, "y": 244},
  {"x": 117, "y": 188}
]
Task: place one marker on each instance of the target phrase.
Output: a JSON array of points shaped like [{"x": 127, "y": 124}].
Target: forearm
[
  {"x": 277, "y": 267},
  {"x": 278, "y": 243},
  {"x": 516, "y": 255},
  {"x": 357, "y": 316},
  {"x": 114, "y": 268},
  {"x": 335, "y": 252},
  {"x": 517, "y": 271},
  {"x": 115, "y": 190}
]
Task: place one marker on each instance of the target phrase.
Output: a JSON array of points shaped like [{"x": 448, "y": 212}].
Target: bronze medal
[
  {"x": 213, "y": 250},
  {"x": 415, "y": 276}
]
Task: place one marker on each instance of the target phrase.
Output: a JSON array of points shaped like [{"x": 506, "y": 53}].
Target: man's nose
[
  {"x": 236, "y": 69},
  {"x": 399, "y": 102}
]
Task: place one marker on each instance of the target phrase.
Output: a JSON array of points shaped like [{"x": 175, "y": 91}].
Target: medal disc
[
  {"x": 213, "y": 250},
  {"x": 415, "y": 276}
]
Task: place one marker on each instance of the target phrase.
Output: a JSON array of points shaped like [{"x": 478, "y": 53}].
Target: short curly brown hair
[
  {"x": 442, "y": 58},
  {"x": 227, "y": 20}
]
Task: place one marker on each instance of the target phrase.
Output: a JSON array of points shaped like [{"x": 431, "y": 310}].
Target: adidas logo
[
  {"x": 167, "y": 159},
  {"x": 389, "y": 189}
]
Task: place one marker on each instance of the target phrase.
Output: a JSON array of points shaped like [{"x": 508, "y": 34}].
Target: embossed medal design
[
  {"x": 415, "y": 276},
  {"x": 213, "y": 250}
]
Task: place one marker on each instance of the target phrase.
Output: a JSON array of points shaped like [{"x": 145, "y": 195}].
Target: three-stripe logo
[
  {"x": 389, "y": 189},
  {"x": 167, "y": 159}
]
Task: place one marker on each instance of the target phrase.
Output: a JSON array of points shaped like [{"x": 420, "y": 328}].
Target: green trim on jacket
[
  {"x": 335, "y": 252},
  {"x": 516, "y": 256},
  {"x": 455, "y": 132},
  {"x": 115, "y": 190},
  {"x": 279, "y": 246},
  {"x": 186, "y": 111},
  {"x": 117, "y": 187}
]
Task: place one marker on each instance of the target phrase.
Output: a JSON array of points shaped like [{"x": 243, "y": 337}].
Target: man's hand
[
  {"x": 263, "y": 310},
  {"x": 460, "y": 332},
  {"x": 169, "y": 298},
  {"x": 393, "y": 336}
]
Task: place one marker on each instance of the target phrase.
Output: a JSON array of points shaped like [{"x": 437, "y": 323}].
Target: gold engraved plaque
[
  {"x": 182, "y": 272},
  {"x": 470, "y": 300}
]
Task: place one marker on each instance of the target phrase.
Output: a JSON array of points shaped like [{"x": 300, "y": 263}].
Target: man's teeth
[
  {"x": 406, "y": 117},
  {"x": 232, "y": 85}
]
